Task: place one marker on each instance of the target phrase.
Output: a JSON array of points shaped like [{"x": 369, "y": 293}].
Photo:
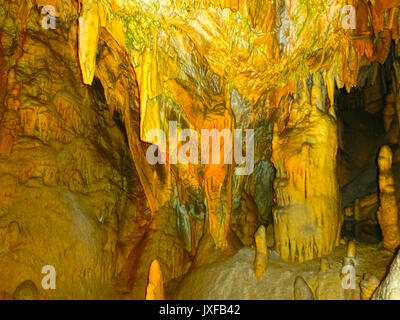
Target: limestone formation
[
  {"x": 368, "y": 286},
  {"x": 388, "y": 215},
  {"x": 302, "y": 290},
  {"x": 89, "y": 24},
  {"x": 217, "y": 179},
  {"x": 324, "y": 266},
  {"x": 155, "y": 286},
  {"x": 102, "y": 123},
  {"x": 351, "y": 249},
  {"x": 389, "y": 289},
  {"x": 26, "y": 290},
  {"x": 250, "y": 212},
  {"x": 262, "y": 253},
  {"x": 307, "y": 220}
]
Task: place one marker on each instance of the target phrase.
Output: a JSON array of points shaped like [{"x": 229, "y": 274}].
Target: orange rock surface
[{"x": 78, "y": 103}]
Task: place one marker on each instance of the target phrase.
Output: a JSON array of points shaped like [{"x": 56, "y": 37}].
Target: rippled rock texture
[{"x": 79, "y": 101}]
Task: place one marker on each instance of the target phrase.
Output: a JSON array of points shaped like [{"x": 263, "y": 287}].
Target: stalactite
[
  {"x": 217, "y": 180},
  {"x": 89, "y": 24}
]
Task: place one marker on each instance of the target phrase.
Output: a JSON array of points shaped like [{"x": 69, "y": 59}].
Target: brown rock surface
[{"x": 78, "y": 104}]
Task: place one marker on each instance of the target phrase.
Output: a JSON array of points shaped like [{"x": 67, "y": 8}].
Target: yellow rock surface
[
  {"x": 388, "y": 215},
  {"x": 155, "y": 286},
  {"x": 307, "y": 218},
  {"x": 77, "y": 104},
  {"x": 262, "y": 252}
]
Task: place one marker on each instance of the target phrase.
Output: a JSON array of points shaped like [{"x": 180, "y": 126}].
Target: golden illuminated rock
[
  {"x": 307, "y": 220},
  {"x": 351, "y": 249},
  {"x": 89, "y": 24},
  {"x": 217, "y": 180},
  {"x": 388, "y": 215},
  {"x": 302, "y": 290},
  {"x": 389, "y": 289},
  {"x": 324, "y": 266},
  {"x": 262, "y": 253},
  {"x": 79, "y": 104},
  {"x": 155, "y": 286},
  {"x": 368, "y": 286}
]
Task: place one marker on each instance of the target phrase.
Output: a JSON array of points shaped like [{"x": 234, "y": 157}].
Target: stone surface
[
  {"x": 301, "y": 290},
  {"x": 262, "y": 253},
  {"x": 307, "y": 218},
  {"x": 389, "y": 289},
  {"x": 155, "y": 286},
  {"x": 78, "y": 104},
  {"x": 388, "y": 215},
  {"x": 368, "y": 286},
  {"x": 236, "y": 279}
]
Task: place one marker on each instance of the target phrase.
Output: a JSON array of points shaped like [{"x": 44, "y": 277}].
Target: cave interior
[{"x": 199, "y": 149}]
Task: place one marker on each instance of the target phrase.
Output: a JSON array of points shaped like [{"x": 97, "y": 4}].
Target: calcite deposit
[
  {"x": 202, "y": 149},
  {"x": 155, "y": 286},
  {"x": 389, "y": 289},
  {"x": 388, "y": 215},
  {"x": 262, "y": 253}
]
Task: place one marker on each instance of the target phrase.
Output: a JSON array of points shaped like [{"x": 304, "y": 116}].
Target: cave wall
[
  {"x": 70, "y": 193},
  {"x": 79, "y": 101},
  {"x": 66, "y": 171}
]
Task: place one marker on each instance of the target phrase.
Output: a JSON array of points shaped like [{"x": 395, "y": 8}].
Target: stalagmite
[
  {"x": 262, "y": 253},
  {"x": 155, "y": 286},
  {"x": 324, "y": 265},
  {"x": 351, "y": 249},
  {"x": 306, "y": 216},
  {"x": 388, "y": 215},
  {"x": 89, "y": 24},
  {"x": 368, "y": 286}
]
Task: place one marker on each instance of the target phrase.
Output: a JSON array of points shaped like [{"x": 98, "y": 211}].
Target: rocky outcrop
[
  {"x": 389, "y": 289},
  {"x": 368, "y": 286}
]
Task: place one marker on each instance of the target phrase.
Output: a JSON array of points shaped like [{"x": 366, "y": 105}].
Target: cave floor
[{"x": 234, "y": 279}]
